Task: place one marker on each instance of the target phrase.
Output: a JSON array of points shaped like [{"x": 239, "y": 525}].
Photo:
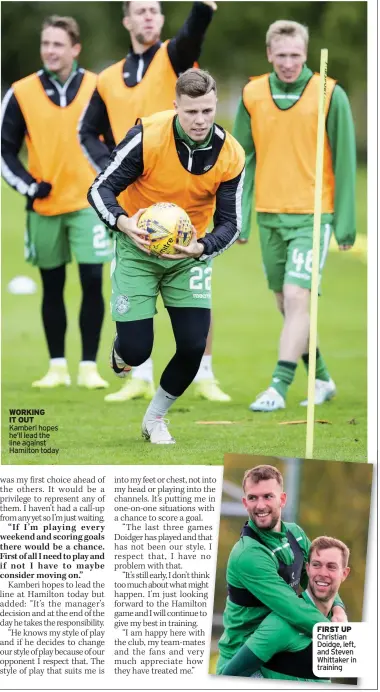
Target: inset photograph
[{"x": 292, "y": 552}]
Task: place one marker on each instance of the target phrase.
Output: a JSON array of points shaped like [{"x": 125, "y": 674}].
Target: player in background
[
  {"x": 277, "y": 648},
  {"x": 276, "y": 123},
  {"x": 266, "y": 567},
  {"x": 154, "y": 162},
  {"x": 44, "y": 109},
  {"x": 142, "y": 84}
]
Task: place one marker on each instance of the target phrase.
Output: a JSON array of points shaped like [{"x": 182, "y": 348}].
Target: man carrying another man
[
  {"x": 266, "y": 567},
  {"x": 279, "y": 649}
]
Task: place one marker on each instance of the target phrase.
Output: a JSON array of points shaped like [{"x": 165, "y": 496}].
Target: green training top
[
  {"x": 253, "y": 566},
  {"x": 341, "y": 135},
  {"x": 190, "y": 142},
  {"x": 54, "y": 75},
  {"x": 275, "y": 635}
]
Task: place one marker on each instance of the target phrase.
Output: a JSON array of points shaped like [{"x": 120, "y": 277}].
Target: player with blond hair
[{"x": 276, "y": 123}]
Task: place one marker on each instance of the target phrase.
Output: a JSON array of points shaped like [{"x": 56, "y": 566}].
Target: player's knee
[
  {"x": 280, "y": 302},
  {"x": 296, "y": 299},
  {"x": 53, "y": 280},
  {"x": 132, "y": 353},
  {"x": 191, "y": 327},
  {"x": 133, "y": 344},
  {"x": 192, "y": 349},
  {"x": 91, "y": 277}
]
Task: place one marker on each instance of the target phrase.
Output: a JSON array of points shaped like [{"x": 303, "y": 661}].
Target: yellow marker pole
[{"x": 316, "y": 253}]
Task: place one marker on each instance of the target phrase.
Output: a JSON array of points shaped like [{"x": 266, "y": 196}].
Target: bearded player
[{"x": 266, "y": 567}]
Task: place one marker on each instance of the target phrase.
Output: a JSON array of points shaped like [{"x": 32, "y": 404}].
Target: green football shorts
[
  {"x": 287, "y": 255},
  {"x": 50, "y": 241},
  {"x": 137, "y": 279}
]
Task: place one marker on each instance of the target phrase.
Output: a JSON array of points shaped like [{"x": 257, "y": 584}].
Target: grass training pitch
[{"x": 246, "y": 333}]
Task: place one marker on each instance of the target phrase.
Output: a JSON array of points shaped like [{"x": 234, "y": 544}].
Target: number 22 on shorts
[{"x": 200, "y": 279}]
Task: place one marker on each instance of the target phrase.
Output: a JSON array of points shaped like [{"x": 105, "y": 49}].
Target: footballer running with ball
[
  {"x": 181, "y": 157},
  {"x": 139, "y": 85}
]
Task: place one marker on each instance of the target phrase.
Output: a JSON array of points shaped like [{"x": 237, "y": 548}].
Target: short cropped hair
[
  {"x": 283, "y": 27},
  {"x": 195, "y": 82},
  {"x": 263, "y": 473},
  {"x": 325, "y": 542},
  {"x": 126, "y": 8},
  {"x": 68, "y": 24}
]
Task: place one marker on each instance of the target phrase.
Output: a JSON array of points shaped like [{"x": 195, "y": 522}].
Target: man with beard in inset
[{"x": 266, "y": 567}]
